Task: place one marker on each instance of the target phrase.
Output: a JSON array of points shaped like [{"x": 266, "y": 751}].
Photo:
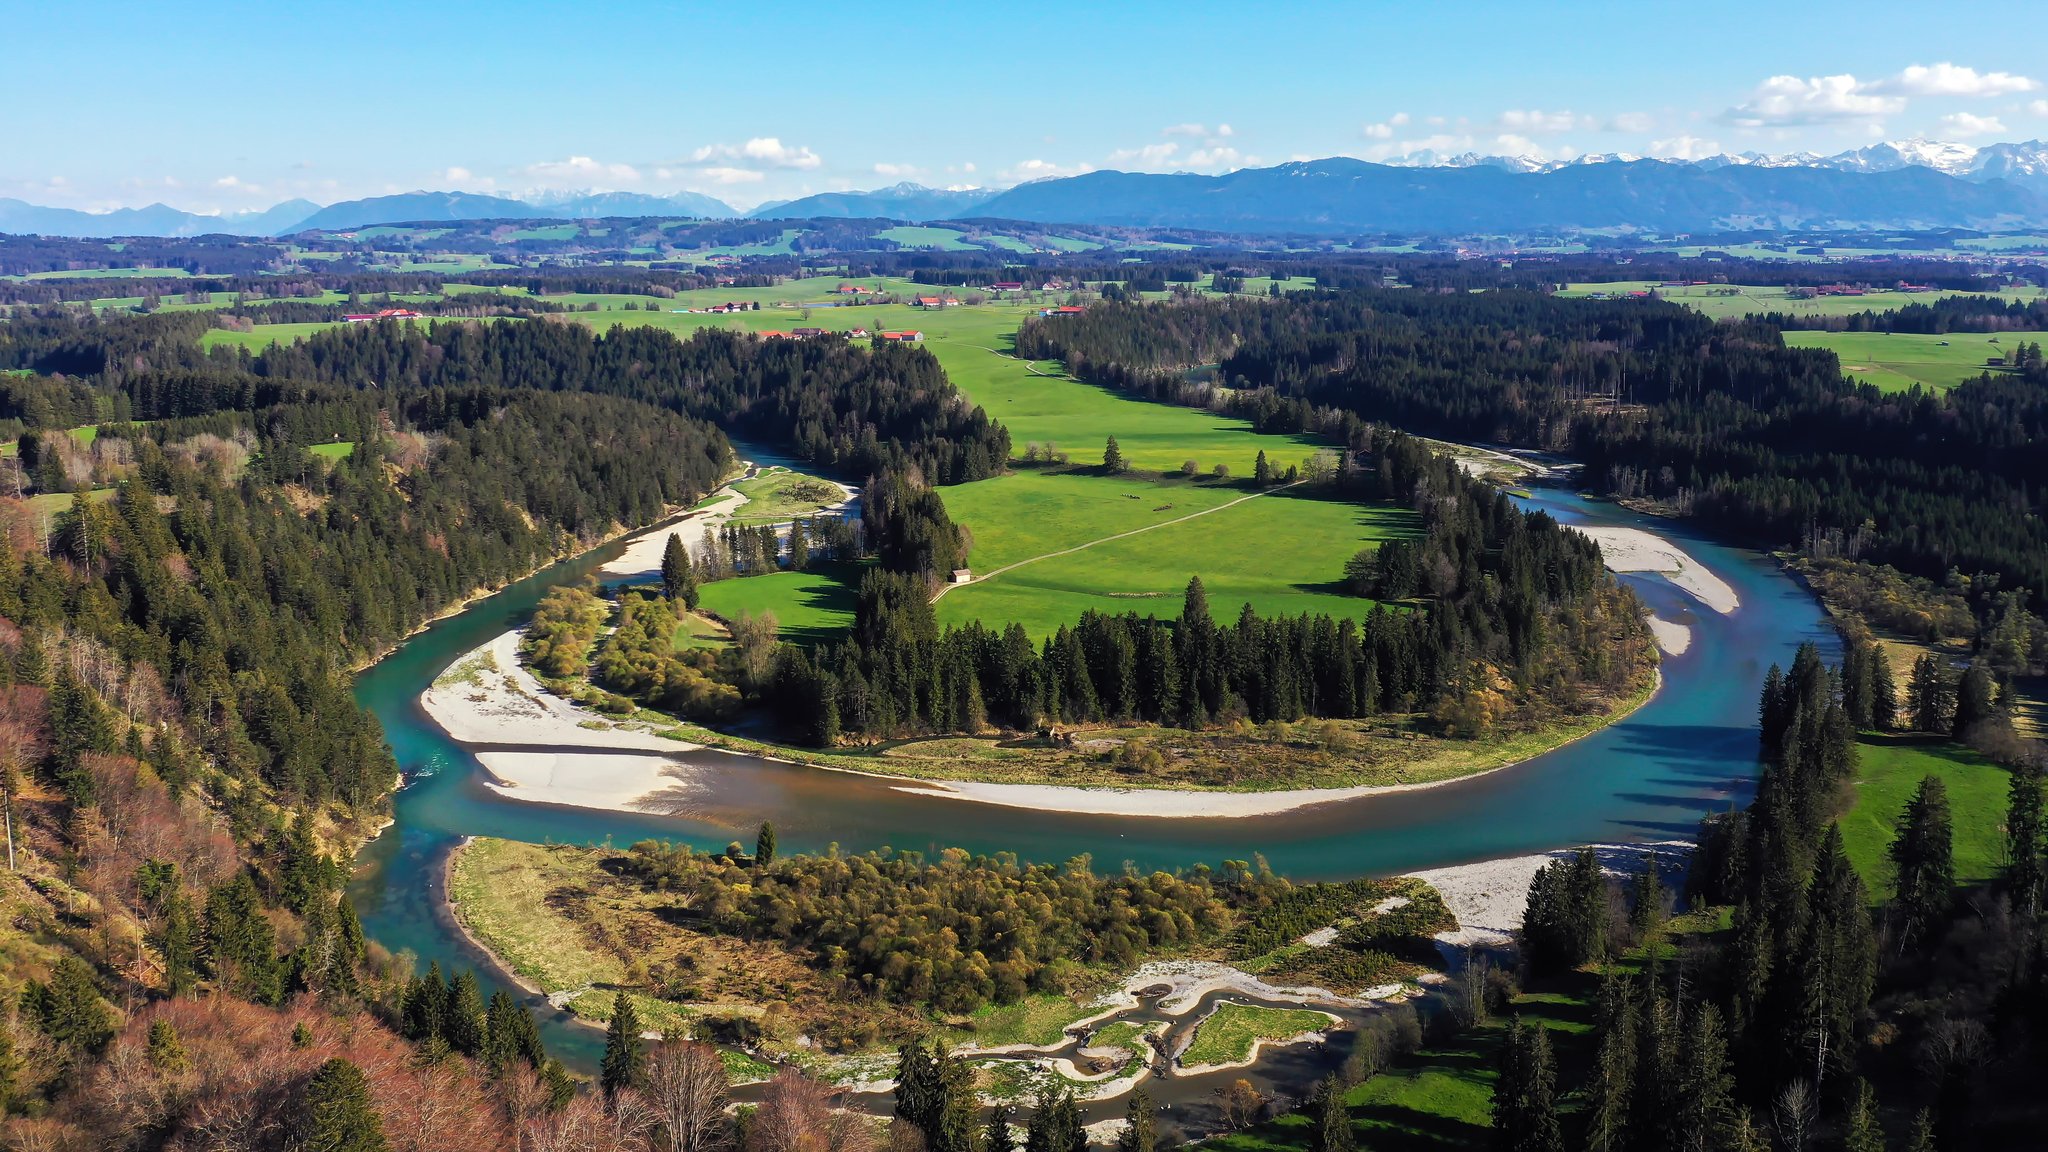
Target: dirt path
[{"x": 990, "y": 575}]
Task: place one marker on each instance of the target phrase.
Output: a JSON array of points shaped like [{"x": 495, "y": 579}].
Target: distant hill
[
  {"x": 412, "y": 207},
  {"x": 21, "y": 218},
  {"x": 912, "y": 202},
  {"x": 1345, "y": 195},
  {"x": 597, "y": 205}
]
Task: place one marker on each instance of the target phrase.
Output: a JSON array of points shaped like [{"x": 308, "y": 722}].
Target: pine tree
[
  {"x": 1705, "y": 1105},
  {"x": 1975, "y": 700},
  {"x": 764, "y": 845},
  {"x": 1923, "y": 852},
  {"x": 625, "y": 1051},
  {"x": 996, "y": 1135},
  {"x": 1613, "y": 1077},
  {"x": 1860, "y": 1131},
  {"x": 1922, "y": 1138},
  {"x": 2023, "y": 827},
  {"x": 1540, "y": 1129},
  {"x": 678, "y": 574},
  {"x": 166, "y": 1051},
  {"x": 465, "y": 1025},
  {"x": 1113, "y": 459},
  {"x": 1140, "y": 1125},
  {"x": 338, "y": 1115},
  {"x": 1262, "y": 470},
  {"x": 1884, "y": 691},
  {"x": 1931, "y": 695},
  {"x": 1332, "y": 1119},
  {"x": 177, "y": 940}
]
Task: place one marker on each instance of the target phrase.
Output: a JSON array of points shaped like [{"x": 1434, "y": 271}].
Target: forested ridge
[
  {"x": 1721, "y": 421},
  {"x": 1518, "y": 622}
]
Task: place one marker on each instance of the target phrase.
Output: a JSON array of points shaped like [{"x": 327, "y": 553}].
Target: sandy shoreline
[
  {"x": 1672, "y": 638},
  {"x": 1636, "y": 550},
  {"x": 1489, "y": 896}
]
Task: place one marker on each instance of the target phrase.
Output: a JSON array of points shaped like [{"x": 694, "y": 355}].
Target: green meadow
[
  {"x": 1726, "y": 301},
  {"x": 1896, "y": 361},
  {"x": 1889, "y": 768},
  {"x": 1281, "y": 552},
  {"x": 809, "y": 606}
]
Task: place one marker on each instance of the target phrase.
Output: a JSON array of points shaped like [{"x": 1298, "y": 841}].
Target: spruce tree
[
  {"x": 764, "y": 845},
  {"x": 1884, "y": 691},
  {"x": 1262, "y": 470},
  {"x": 1332, "y": 1119},
  {"x": 2023, "y": 827},
  {"x": 166, "y": 1050},
  {"x": 625, "y": 1051},
  {"x": 465, "y": 1025},
  {"x": 1540, "y": 1129},
  {"x": 1922, "y": 1136},
  {"x": 338, "y": 1115},
  {"x": 1923, "y": 852},
  {"x": 1860, "y": 1131},
  {"x": 678, "y": 574},
  {"x": 1612, "y": 1082},
  {"x": 1976, "y": 700},
  {"x": 996, "y": 1135},
  {"x": 1113, "y": 461},
  {"x": 1705, "y": 1087}
]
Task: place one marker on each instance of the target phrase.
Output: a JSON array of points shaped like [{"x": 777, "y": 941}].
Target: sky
[{"x": 229, "y": 106}]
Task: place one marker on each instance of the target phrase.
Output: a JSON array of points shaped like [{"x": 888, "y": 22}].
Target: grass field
[
  {"x": 1281, "y": 552},
  {"x": 697, "y": 631},
  {"x": 1041, "y": 1018},
  {"x": 1226, "y": 1035},
  {"x": 809, "y": 606},
  {"x": 778, "y": 495},
  {"x": 1895, "y": 361},
  {"x": 1890, "y": 768},
  {"x": 334, "y": 450},
  {"x": 1722, "y": 301},
  {"x": 500, "y": 889},
  {"x": 943, "y": 239},
  {"x": 56, "y": 503}
]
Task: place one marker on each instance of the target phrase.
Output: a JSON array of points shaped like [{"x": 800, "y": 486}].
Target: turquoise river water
[{"x": 1689, "y": 751}]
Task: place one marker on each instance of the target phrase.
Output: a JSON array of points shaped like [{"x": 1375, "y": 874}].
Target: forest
[
  {"x": 1664, "y": 406},
  {"x": 1498, "y": 619}
]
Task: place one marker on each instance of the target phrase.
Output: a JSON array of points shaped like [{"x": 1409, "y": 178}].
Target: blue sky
[{"x": 224, "y": 106}]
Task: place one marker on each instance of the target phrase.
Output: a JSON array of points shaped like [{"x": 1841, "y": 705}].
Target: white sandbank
[
  {"x": 502, "y": 703},
  {"x": 1635, "y": 550},
  {"x": 612, "y": 780},
  {"x": 1672, "y": 637},
  {"x": 1488, "y": 897},
  {"x": 643, "y": 552}
]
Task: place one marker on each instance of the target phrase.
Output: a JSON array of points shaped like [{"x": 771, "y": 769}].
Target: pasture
[
  {"x": 809, "y": 606},
  {"x": 778, "y": 495},
  {"x": 1282, "y": 552},
  {"x": 1896, "y": 361},
  {"x": 1730, "y": 301},
  {"x": 1889, "y": 768}
]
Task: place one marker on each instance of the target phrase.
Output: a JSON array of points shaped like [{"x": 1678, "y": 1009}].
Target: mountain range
[{"x": 1892, "y": 185}]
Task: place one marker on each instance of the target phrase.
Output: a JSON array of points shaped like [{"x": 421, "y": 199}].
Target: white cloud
[
  {"x": 457, "y": 176},
  {"x": 1440, "y": 142},
  {"x": 898, "y": 171},
  {"x": 1218, "y": 157},
  {"x": 729, "y": 175},
  {"x": 237, "y": 184},
  {"x": 1384, "y": 130},
  {"x": 1147, "y": 156},
  {"x": 1536, "y": 122},
  {"x": 2038, "y": 107},
  {"x": 1042, "y": 170},
  {"x": 1970, "y": 124},
  {"x": 1632, "y": 122},
  {"x": 1790, "y": 102},
  {"x": 1684, "y": 148},
  {"x": 1185, "y": 130},
  {"x": 583, "y": 170},
  {"x": 761, "y": 151},
  {"x": 1953, "y": 80}
]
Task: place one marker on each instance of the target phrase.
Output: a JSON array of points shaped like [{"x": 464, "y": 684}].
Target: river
[{"x": 1689, "y": 751}]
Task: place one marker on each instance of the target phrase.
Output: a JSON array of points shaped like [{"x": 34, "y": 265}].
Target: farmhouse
[
  {"x": 913, "y": 336},
  {"x": 1006, "y": 286},
  {"x": 382, "y": 314},
  {"x": 928, "y": 302},
  {"x": 962, "y": 576},
  {"x": 1063, "y": 310},
  {"x": 806, "y": 333}
]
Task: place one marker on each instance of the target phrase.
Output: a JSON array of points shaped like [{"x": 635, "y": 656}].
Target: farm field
[
  {"x": 1717, "y": 300},
  {"x": 1895, "y": 361},
  {"x": 809, "y": 606},
  {"x": 1890, "y": 767},
  {"x": 1281, "y": 552}
]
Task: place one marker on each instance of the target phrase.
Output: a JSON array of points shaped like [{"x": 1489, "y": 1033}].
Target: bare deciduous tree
[{"x": 688, "y": 1090}]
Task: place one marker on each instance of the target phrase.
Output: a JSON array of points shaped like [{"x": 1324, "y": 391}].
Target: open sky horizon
[{"x": 121, "y": 104}]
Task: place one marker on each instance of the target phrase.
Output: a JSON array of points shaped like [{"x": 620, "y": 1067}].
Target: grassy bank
[
  {"x": 1890, "y": 767},
  {"x": 1227, "y": 1035}
]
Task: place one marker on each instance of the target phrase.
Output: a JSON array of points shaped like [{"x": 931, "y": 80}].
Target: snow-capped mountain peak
[{"x": 2024, "y": 163}]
